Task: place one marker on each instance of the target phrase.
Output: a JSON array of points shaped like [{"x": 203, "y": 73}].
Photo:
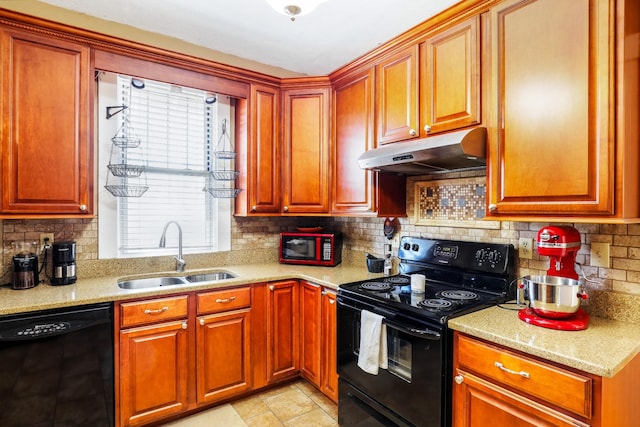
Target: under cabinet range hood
[{"x": 465, "y": 149}]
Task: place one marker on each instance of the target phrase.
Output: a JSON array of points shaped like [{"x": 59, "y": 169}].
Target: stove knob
[
  {"x": 459, "y": 379},
  {"x": 415, "y": 247},
  {"x": 406, "y": 246}
]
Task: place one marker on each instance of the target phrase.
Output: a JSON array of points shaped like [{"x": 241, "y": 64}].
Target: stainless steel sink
[
  {"x": 210, "y": 277},
  {"x": 151, "y": 282},
  {"x": 155, "y": 282}
]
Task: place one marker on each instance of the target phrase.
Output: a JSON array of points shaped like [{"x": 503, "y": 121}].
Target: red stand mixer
[{"x": 554, "y": 299}]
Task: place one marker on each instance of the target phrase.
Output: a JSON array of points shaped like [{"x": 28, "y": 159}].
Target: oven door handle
[{"x": 420, "y": 333}]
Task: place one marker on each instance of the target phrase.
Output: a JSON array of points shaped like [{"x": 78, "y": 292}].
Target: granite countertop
[
  {"x": 101, "y": 289},
  {"x": 604, "y": 348}
]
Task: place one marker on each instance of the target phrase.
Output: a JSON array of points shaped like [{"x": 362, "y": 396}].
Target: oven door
[{"x": 412, "y": 388}]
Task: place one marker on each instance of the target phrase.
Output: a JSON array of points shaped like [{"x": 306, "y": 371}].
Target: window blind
[{"x": 176, "y": 128}]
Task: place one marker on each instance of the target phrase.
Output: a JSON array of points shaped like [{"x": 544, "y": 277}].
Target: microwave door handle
[{"x": 420, "y": 333}]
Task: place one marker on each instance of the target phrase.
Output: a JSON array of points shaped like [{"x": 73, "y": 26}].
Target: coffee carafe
[
  {"x": 63, "y": 259},
  {"x": 25, "y": 265}
]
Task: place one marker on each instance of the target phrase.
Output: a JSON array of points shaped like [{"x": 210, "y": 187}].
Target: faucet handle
[{"x": 180, "y": 264}]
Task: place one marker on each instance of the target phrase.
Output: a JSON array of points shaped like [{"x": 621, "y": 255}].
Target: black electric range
[{"x": 460, "y": 277}]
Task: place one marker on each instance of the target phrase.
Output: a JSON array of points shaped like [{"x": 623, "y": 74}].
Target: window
[{"x": 172, "y": 132}]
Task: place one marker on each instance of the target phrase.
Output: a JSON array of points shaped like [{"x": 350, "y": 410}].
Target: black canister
[{"x": 63, "y": 259}]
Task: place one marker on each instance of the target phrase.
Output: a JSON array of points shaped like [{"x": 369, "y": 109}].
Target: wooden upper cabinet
[
  {"x": 259, "y": 163},
  {"x": 397, "y": 96},
  {"x": 552, "y": 134},
  {"x": 353, "y": 188},
  {"x": 306, "y": 150},
  {"x": 46, "y": 109},
  {"x": 450, "y": 72},
  {"x": 356, "y": 191}
]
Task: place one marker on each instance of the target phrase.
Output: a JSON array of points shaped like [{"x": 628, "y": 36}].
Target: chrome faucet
[{"x": 180, "y": 262}]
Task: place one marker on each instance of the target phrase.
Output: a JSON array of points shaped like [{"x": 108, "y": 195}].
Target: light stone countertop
[
  {"x": 101, "y": 289},
  {"x": 604, "y": 348}
]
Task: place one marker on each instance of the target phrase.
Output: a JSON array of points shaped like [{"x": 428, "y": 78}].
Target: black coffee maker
[
  {"x": 25, "y": 265},
  {"x": 63, "y": 259}
]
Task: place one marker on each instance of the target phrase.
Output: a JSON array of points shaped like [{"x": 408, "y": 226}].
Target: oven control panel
[{"x": 483, "y": 257}]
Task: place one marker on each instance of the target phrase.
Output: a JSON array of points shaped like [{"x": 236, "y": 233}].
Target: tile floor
[{"x": 296, "y": 404}]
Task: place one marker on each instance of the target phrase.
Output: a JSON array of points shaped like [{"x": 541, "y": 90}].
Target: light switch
[{"x": 600, "y": 254}]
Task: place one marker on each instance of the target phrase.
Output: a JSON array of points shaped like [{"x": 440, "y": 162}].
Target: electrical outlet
[
  {"x": 600, "y": 254},
  {"x": 44, "y": 236},
  {"x": 525, "y": 247}
]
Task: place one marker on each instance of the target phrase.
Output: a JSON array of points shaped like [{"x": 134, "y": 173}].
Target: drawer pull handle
[
  {"x": 459, "y": 379},
  {"x": 226, "y": 300},
  {"x": 509, "y": 371},
  {"x": 184, "y": 325},
  {"x": 160, "y": 310},
  {"x": 202, "y": 322}
]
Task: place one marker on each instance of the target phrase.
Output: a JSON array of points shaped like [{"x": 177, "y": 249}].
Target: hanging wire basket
[
  {"x": 126, "y": 170},
  {"x": 223, "y": 193},
  {"x": 127, "y": 190},
  {"x": 125, "y": 137},
  {"x": 225, "y": 175}
]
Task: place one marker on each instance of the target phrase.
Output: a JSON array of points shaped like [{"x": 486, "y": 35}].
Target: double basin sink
[{"x": 155, "y": 282}]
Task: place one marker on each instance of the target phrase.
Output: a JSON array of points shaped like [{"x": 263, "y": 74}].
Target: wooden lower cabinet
[
  {"x": 282, "y": 330},
  {"x": 318, "y": 356},
  {"x": 152, "y": 362},
  {"x": 329, "y": 363},
  {"x": 494, "y": 385}
]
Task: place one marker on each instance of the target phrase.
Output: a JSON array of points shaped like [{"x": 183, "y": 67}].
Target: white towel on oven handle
[{"x": 373, "y": 343}]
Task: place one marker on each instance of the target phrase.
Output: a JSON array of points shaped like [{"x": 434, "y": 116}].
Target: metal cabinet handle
[
  {"x": 413, "y": 132},
  {"x": 184, "y": 325},
  {"x": 159, "y": 310},
  {"x": 427, "y": 128},
  {"x": 510, "y": 371},
  {"x": 83, "y": 208},
  {"x": 254, "y": 208},
  {"x": 226, "y": 300},
  {"x": 202, "y": 322},
  {"x": 493, "y": 207},
  {"x": 271, "y": 287},
  {"x": 286, "y": 209},
  {"x": 332, "y": 301},
  {"x": 459, "y": 379}
]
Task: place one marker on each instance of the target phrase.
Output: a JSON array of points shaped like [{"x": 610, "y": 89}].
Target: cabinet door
[
  {"x": 223, "y": 355},
  {"x": 479, "y": 403},
  {"x": 552, "y": 148},
  {"x": 153, "y": 372},
  {"x": 353, "y": 188},
  {"x": 329, "y": 380},
  {"x": 306, "y": 151},
  {"x": 262, "y": 170},
  {"x": 450, "y": 79},
  {"x": 397, "y": 96},
  {"x": 47, "y": 160},
  {"x": 310, "y": 331},
  {"x": 282, "y": 330}
]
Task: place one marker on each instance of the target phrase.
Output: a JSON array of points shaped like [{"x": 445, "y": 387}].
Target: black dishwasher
[{"x": 56, "y": 367}]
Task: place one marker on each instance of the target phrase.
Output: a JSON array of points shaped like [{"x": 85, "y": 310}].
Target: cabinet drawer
[
  {"x": 552, "y": 384},
  {"x": 152, "y": 311},
  {"x": 223, "y": 300}
]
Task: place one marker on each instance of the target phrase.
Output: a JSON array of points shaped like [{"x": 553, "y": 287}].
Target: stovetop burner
[
  {"x": 458, "y": 295},
  {"x": 398, "y": 280},
  {"x": 376, "y": 286},
  {"x": 436, "y": 304}
]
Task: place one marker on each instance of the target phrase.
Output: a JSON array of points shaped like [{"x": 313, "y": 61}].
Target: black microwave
[{"x": 322, "y": 248}]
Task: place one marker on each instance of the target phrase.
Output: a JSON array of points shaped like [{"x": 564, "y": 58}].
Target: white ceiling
[{"x": 333, "y": 35}]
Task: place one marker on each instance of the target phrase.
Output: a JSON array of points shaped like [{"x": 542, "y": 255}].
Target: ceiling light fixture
[{"x": 294, "y": 8}]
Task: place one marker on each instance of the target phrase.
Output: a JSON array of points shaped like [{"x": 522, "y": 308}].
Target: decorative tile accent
[{"x": 452, "y": 203}]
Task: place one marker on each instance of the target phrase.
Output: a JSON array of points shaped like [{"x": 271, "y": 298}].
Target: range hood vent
[{"x": 448, "y": 152}]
